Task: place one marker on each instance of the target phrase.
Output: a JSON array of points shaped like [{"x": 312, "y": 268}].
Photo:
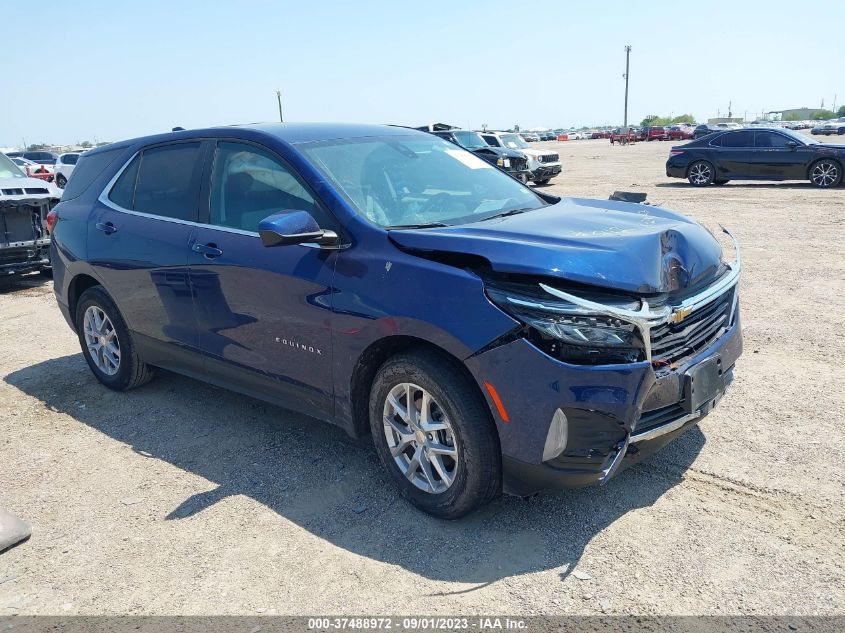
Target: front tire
[
  {"x": 442, "y": 451},
  {"x": 61, "y": 181},
  {"x": 544, "y": 181},
  {"x": 106, "y": 343},
  {"x": 701, "y": 174},
  {"x": 825, "y": 173}
]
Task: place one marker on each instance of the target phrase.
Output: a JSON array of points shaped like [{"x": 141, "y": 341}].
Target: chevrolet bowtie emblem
[{"x": 679, "y": 315}]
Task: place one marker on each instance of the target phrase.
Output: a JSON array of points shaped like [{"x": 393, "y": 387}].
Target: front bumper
[
  {"x": 617, "y": 414},
  {"x": 545, "y": 171}
]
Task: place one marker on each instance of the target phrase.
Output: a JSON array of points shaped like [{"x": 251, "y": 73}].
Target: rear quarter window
[{"x": 89, "y": 167}]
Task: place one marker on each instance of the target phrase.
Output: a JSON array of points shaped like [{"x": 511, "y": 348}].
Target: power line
[{"x": 627, "y": 69}]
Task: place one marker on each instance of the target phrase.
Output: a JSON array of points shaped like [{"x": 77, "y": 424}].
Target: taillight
[
  {"x": 52, "y": 218},
  {"x": 675, "y": 152}
]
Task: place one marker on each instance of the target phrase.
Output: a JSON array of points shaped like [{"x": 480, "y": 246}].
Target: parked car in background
[
  {"x": 529, "y": 137},
  {"x": 487, "y": 337},
  {"x": 652, "y": 133},
  {"x": 24, "y": 206},
  {"x": 64, "y": 167},
  {"x": 40, "y": 157},
  {"x": 679, "y": 133},
  {"x": 33, "y": 169},
  {"x": 757, "y": 154},
  {"x": 623, "y": 136},
  {"x": 543, "y": 164},
  {"x": 511, "y": 161},
  {"x": 831, "y": 127},
  {"x": 704, "y": 129}
]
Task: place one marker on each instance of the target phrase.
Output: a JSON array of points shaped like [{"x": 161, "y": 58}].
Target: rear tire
[
  {"x": 106, "y": 343},
  {"x": 826, "y": 173},
  {"x": 473, "y": 473},
  {"x": 701, "y": 174}
]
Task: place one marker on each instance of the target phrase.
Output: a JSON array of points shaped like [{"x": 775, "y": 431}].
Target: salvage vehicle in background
[
  {"x": 757, "y": 154},
  {"x": 64, "y": 167},
  {"x": 831, "y": 127},
  {"x": 652, "y": 133},
  {"x": 529, "y": 137},
  {"x": 623, "y": 136},
  {"x": 24, "y": 206},
  {"x": 543, "y": 164},
  {"x": 487, "y": 336},
  {"x": 33, "y": 169},
  {"x": 704, "y": 129},
  {"x": 511, "y": 161}
]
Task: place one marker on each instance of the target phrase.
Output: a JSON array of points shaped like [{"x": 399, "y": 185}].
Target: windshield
[
  {"x": 8, "y": 169},
  {"x": 408, "y": 181},
  {"x": 471, "y": 140},
  {"x": 514, "y": 141}
]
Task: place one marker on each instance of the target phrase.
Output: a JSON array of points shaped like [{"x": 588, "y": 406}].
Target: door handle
[
  {"x": 210, "y": 251},
  {"x": 106, "y": 227}
]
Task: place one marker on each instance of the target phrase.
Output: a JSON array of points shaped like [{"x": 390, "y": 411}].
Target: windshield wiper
[
  {"x": 505, "y": 214},
  {"x": 426, "y": 225}
]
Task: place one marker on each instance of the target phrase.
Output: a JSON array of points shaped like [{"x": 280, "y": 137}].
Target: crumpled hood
[{"x": 615, "y": 245}]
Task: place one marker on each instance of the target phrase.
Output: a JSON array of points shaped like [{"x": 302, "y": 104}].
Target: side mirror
[
  {"x": 791, "y": 144},
  {"x": 293, "y": 227}
]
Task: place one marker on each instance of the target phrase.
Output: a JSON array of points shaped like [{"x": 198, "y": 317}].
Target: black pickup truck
[{"x": 24, "y": 205}]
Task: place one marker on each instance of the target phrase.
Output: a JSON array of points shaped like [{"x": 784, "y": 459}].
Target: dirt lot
[{"x": 183, "y": 498}]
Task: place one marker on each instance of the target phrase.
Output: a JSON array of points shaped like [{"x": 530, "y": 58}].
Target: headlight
[
  {"x": 569, "y": 332},
  {"x": 507, "y": 162}
]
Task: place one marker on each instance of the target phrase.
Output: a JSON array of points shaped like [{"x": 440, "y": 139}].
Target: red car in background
[
  {"x": 680, "y": 132},
  {"x": 653, "y": 133}
]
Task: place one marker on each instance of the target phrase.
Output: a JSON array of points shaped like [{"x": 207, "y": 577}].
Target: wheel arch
[
  {"x": 379, "y": 352},
  {"x": 79, "y": 284}
]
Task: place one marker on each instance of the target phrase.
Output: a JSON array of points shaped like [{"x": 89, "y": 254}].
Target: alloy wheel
[
  {"x": 420, "y": 438},
  {"x": 101, "y": 340},
  {"x": 699, "y": 173},
  {"x": 824, "y": 173}
]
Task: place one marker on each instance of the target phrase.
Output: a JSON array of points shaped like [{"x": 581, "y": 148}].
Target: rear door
[
  {"x": 264, "y": 313},
  {"x": 734, "y": 154},
  {"x": 138, "y": 242},
  {"x": 774, "y": 158}
]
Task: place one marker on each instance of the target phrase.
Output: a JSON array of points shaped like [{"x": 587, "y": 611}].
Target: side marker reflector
[{"x": 497, "y": 401}]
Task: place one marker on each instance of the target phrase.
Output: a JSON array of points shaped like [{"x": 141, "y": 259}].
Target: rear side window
[
  {"x": 123, "y": 192},
  {"x": 87, "y": 169},
  {"x": 163, "y": 181},
  {"x": 71, "y": 159}
]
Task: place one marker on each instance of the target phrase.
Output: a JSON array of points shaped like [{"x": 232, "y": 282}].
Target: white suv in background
[
  {"x": 542, "y": 163},
  {"x": 64, "y": 166}
]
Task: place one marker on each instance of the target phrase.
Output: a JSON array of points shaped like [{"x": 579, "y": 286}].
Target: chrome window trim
[{"x": 646, "y": 318}]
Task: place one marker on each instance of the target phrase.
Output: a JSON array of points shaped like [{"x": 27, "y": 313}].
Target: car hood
[
  {"x": 506, "y": 152},
  {"x": 14, "y": 184},
  {"x": 615, "y": 245}
]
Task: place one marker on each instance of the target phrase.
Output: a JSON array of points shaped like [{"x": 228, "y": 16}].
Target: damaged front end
[
  {"x": 24, "y": 239},
  {"x": 617, "y": 375}
]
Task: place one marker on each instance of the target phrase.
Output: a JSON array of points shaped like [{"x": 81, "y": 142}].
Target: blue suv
[{"x": 488, "y": 336}]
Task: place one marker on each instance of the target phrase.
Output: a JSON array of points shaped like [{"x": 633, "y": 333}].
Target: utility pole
[
  {"x": 279, "y": 97},
  {"x": 627, "y": 69}
]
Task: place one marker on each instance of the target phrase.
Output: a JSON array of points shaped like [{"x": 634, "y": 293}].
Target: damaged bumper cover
[{"x": 24, "y": 241}]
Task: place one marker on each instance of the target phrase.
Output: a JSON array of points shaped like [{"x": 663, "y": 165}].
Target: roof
[{"x": 289, "y": 132}]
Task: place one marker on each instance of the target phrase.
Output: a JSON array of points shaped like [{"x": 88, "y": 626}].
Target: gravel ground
[{"x": 180, "y": 498}]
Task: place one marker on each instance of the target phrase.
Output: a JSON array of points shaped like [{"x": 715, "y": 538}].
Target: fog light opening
[{"x": 556, "y": 439}]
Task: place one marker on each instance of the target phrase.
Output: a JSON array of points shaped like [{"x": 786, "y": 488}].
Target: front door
[
  {"x": 774, "y": 158},
  {"x": 264, "y": 313},
  {"x": 139, "y": 237}
]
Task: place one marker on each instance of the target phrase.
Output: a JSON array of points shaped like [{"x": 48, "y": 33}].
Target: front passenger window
[{"x": 248, "y": 184}]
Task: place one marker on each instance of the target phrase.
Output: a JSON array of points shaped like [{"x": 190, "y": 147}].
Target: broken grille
[{"x": 671, "y": 342}]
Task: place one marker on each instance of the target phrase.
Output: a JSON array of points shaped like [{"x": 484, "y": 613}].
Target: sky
[{"x": 107, "y": 70}]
